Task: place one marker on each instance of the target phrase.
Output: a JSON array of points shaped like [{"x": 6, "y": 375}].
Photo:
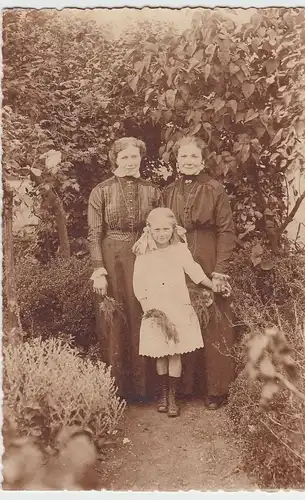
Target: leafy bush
[
  {"x": 272, "y": 440},
  {"x": 57, "y": 298},
  {"x": 48, "y": 386},
  {"x": 239, "y": 86},
  {"x": 269, "y": 292}
]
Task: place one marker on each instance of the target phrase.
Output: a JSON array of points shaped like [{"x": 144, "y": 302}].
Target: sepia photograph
[{"x": 153, "y": 189}]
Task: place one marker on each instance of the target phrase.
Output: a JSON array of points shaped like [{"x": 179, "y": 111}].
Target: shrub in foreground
[
  {"x": 273, "y": 439},
  {"x": 48, "y": 386},
  {"x": 57, "y": 298}
]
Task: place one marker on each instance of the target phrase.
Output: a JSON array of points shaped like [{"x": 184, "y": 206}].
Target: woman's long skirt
[
  {"x": 211, "y": 370},
  {"x": 119, "y": 342}
]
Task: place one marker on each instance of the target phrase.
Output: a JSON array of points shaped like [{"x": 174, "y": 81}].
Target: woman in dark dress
[
  {"x": 202, "y": 207},
  {"x": 117, "y": 212}
]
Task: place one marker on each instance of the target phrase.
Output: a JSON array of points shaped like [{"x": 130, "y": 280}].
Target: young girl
[{"x": 170, "y": 326}]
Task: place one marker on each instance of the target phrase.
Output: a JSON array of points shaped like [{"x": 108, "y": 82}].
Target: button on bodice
[
  {"x": 188, "y": 191},
  {"x": 129, "y": 192}
]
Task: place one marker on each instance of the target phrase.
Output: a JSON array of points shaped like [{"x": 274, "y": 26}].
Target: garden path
[{"x": 195, "y": 451}]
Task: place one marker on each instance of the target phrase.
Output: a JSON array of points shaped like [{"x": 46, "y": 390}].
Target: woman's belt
[
  {"x": 121, "y": 235},
  {"x": 203, "y": 229}
]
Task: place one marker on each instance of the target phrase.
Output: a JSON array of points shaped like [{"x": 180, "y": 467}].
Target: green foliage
[
  {"x": 67, "y": 76},
  {"x": 268, "y": 293},
  {"x": 47, "y": 109},
  {"x": 238, "y": 86},
  {"x": 48, "y": 386},
  {"x": 207, "y": 81},
  {"x": 70, "y": 89},
  {"x": 272, "y": 441},
  {"x": 52, "y": 81},
  {"x": 56, "y": 298}
]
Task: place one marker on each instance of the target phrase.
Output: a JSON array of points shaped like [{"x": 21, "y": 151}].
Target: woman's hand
[
  {"x": 217, "y": 284},
  {"x": 100, "y": 285},
  {"x": 226, "y": 290},
  {"x": 221, "y": 284}
]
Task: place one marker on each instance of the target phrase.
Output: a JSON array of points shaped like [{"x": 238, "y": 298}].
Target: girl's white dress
[{"x": 159, "y": 283}]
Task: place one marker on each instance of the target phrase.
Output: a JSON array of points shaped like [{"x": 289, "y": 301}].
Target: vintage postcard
[{"x": 153, "y": 248}]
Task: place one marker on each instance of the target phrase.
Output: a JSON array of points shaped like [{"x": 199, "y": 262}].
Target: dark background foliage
[{"x": 71, "y": 87}]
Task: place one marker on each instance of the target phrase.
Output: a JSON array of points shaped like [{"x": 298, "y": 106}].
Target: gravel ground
[{"x": 196, "y": 451}]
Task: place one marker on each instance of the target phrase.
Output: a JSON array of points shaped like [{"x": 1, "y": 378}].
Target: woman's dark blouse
[
  {"x": 203, "y": 205},
  {"x": 119, "y": 205}
]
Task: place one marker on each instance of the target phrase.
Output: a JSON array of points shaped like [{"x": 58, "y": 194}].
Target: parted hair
[
  {"x": 186, "y": 140},
  {"x": 146, "y": 242},
  {"x": 122, "y": 144},
  {"x": 161, "y": 213}
]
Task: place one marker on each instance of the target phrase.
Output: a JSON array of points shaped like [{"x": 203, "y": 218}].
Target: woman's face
[
  {"x": 162, "y": 231},
  {"x": 189, "y": 159},
  {"x": 129, "y": 160}
]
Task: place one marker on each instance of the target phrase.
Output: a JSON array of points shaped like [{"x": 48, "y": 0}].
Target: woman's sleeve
[
  {"x": 224, "y": 231},
  {"x": 191, "y": 268},
  {"x": 139, "y": 278},
  {"x": 95, "y": 226}
]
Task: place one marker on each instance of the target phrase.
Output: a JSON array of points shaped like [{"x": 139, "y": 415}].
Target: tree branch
[
  {"x": 59, "y": 212},
  {"x": 283, "y": 442},
  {"x": 12, "y": 325},
  {"x": 290, "y": 217},
  {"x": 290, "y": 386}
]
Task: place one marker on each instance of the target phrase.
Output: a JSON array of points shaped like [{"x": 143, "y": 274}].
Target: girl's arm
[
  {"x": 139, "y": 281},
  {"x": 193, "y": 269}
]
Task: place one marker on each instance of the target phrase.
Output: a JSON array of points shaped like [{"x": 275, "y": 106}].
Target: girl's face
[
  {"x": 129, "y": 160},
  {"x": 189, "y": 159},
  {"x": 162, "y": 231}
]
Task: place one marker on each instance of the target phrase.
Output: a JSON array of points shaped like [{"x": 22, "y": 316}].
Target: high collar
[
  {"x": 193, "y": 177},
  {"x": 127, "y": 178},
  {"x": 202, "y": 177},
  {"x": 119, "y": 173}
]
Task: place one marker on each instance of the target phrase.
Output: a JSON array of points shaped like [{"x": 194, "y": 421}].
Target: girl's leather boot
[
  {"x": 173, "y": 408},
  {"x": 162, "y": 405}
]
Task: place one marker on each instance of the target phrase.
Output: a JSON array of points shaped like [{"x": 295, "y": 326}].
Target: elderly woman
[
  {"x": 202, "y": 207},
  {"x": 117, "y": 212}
]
